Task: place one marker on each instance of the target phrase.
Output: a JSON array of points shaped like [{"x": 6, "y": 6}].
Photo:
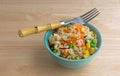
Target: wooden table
[{"x": 28, "y": 56}]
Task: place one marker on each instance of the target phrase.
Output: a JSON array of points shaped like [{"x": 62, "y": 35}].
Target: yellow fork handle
[{"x": 37, "y": 29}]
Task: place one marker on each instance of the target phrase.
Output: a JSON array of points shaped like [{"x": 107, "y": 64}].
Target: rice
[{"x": 73, "y": 41}]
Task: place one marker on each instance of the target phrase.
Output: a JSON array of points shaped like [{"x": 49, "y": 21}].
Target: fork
[
  {"x": 83, "y": 18},
  {"x": 90, "y": 15},
  {"x": 80, "y": 19}
]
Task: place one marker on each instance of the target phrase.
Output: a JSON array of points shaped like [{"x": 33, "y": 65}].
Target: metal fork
[
  {"x": 80, "y": 19},
  {"x": 83, "y": 18},
  {"x": 90, "y": 15}
]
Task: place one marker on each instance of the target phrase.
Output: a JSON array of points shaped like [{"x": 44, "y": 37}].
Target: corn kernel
[
  {"x": 88, "y": 44},
  {"x": 85, "y": 51},
  {"x": 69, "y": 57},
  {"x": 91, "y": 50},
  {"x": 74, "y": 35},
  {"x": 82, "y": 30},
  {"x": 86, "y": 54},
  {"x": 92, "y": 33}
]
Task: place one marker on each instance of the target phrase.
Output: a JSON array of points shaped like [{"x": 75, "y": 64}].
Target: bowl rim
[{"x": 80, "y": 60}]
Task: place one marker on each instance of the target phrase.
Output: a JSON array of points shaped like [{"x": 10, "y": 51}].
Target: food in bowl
[{"x": 73, "y": 41}]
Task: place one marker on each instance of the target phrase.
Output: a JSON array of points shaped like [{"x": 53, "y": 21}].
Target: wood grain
[{"x": 28, "y": 56}]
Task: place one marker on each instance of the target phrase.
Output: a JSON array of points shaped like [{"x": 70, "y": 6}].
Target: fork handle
[{"x": 37, "y": 29}]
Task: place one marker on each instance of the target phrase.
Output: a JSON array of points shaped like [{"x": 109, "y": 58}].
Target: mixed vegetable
[{"x": 73, "y": 41}]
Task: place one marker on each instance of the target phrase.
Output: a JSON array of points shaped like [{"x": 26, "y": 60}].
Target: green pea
[
  {"x": 71, "y": 45},
  {"x": 54, "y": 51},
  {"x": 74, "y": 56},
  {"x": 92, "y": 45},
  {"x": 94, "y": 41}
]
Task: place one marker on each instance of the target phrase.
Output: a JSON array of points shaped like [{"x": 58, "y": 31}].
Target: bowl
[{"x": 74, "y": 63}]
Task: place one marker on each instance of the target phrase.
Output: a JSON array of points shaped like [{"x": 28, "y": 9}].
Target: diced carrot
[
  {"x": 62, "y": 42},
  {"x": 65, "y": 52},
  {"x": 82, "y": 37},
  {"x": 68, "y": 41},
  {"x": 82, "y": 45},
  {"x": 67, "y": 30},
  {"x": 73, "y": 39},
  {"x": 78, "y": 27}
]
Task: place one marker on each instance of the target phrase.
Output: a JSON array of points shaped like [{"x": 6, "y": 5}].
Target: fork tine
[
  {"x": 91, "y": 17},
  {"x": 88, "y": 12}
]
